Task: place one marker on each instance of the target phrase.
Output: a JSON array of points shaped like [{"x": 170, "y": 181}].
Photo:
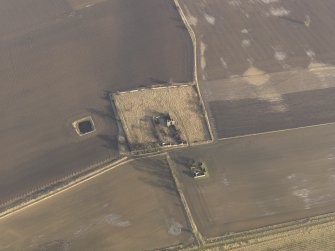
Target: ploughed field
[
  {"x": 133, "y": 207},
  {"x": 59, "y": 61},
  {"x": 260, "y": 180},
  {"x": 264, "y": 65}
]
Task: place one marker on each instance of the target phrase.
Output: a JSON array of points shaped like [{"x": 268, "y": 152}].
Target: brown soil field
[
  {"x": 262, "y": 66},
  {"x": 59, "y": 63},
  {"x": 136, "y": 109},
  {"x": 236, "y": 36},
  {"x": 260, "y": 180},
  {"x": 132, "y": 207}
]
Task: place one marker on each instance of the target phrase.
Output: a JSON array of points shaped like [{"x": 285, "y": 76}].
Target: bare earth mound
[{"x": 137, "y": 109}]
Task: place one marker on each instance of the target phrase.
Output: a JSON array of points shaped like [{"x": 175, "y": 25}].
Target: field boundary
[
  {"x": 314, "y": 69},
  {"x": 155, "y": 87},
  {"x": 59, "y": 186},
  {"x": 151, "y": 146},
  {"x": 199, "y": 238},
  {"x": 277, "y": 131},
  {"x": 122, "y": 145},
  {"x": 195, "y": 70},
  {"x": 232, "y": 241}
]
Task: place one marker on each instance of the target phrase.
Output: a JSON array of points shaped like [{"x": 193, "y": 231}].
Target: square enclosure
[
  {"x": 161, "y": 116},
  {"x": 84, "y": 126}
]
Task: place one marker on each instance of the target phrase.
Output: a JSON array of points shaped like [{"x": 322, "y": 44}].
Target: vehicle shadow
[{"x": 156, "y": 173}]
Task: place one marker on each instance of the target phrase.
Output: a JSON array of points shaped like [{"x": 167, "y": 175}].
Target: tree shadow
[
  {"x": 110, "y": 142},
  {"x": 156, "y": 173},
  {"x": 292, "y": 20},
  {"x": 184, "y": 162},
  {"x": 106, "y": 95},
  {"x": 107, "y": 113},
  {"x": 161, "y": 81},
  {"x": 181, "y": 26}
]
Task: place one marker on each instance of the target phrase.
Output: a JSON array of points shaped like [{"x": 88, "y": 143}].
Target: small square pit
[{"x": 84, "y": 126}]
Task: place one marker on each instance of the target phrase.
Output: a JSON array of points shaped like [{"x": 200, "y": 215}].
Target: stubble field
[{"x": 137, "y": 108}]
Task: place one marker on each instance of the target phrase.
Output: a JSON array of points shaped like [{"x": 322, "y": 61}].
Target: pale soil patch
[
  {"x": 245, "y": 43},
  {"x": 191, "y": 19},
  {"x": 203, "y": 48},
  {"x": 256, "y": 76},
  {"x": 317, "y": 66},
  {"x": 280, "y": 55},
  {"x": 317, "y": 76},
  {"x": 279, "y": 12},
  {"x": 136, "y": 109},
  {"x": 80, "y": 4},
  {"x": 210, "y": 19}
]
